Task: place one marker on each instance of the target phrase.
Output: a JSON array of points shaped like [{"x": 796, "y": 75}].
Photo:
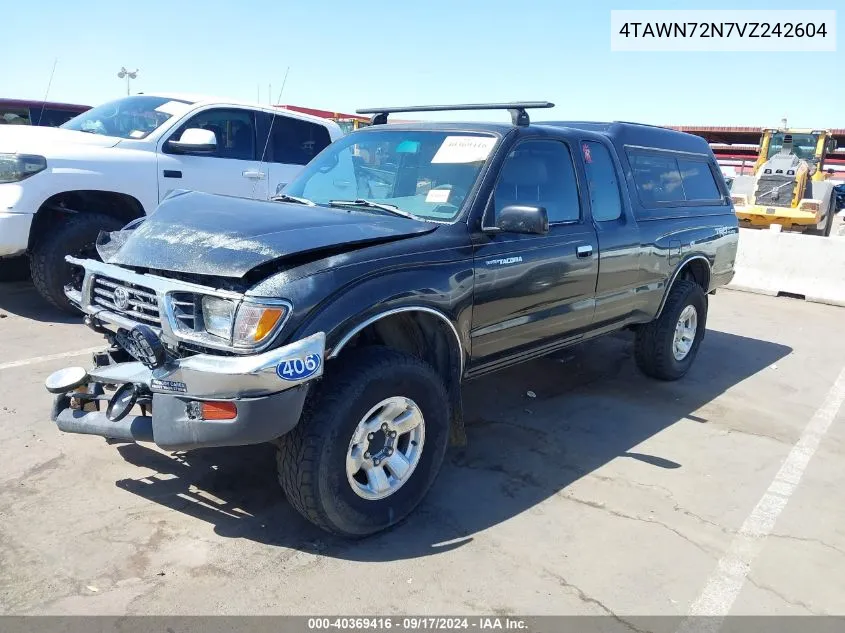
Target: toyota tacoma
[{"x": 340, "y": 319}]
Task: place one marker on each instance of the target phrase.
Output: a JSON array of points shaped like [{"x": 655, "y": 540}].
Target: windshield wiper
[
  {"x": 369, "y": 204},
  {"x": 283, "y": 197}
]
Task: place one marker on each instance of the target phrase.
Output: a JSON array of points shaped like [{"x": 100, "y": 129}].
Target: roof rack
[{"x": 519, "y": 116}]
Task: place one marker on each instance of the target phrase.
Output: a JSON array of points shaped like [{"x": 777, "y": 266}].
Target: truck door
[
  {"x": 232, "y": 169},
  {"x": 618, "y": 235},
  {"x": 532, "y": 291}
]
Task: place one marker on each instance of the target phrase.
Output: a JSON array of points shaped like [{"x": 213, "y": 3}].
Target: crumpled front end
[{"x": 163, "y": 380}]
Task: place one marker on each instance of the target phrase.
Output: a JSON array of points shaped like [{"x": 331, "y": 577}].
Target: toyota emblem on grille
[{"x": 121, "y": 298}]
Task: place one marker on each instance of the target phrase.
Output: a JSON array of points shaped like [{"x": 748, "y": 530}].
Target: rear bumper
[
  {"x": 268, "y": 404},
  {"x": 14, "y": 233},
  {"x": 766, "y": 216}
]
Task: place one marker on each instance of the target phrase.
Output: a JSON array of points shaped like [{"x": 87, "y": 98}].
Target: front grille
[
  {"x": 141, "y": 303},
  {"x": 184, "y": 306}
]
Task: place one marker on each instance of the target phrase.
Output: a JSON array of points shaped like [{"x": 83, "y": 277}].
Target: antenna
[
  {"x": 270, "y": 131},
  {"x": 47, "y": 92}
]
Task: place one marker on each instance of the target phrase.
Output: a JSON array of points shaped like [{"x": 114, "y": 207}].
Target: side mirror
[
  {"x": 195, "y": 140},
  {"x": 520, "y": 218}
]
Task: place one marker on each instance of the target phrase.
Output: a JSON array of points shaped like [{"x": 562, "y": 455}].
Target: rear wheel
[
  {"x": 666, "y": 347},
  {"x": 76, "y": 235},
  {"x": 369, "y": 445}
]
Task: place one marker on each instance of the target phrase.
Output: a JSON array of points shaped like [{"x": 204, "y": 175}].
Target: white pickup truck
[{"x": 110, "y": 165}]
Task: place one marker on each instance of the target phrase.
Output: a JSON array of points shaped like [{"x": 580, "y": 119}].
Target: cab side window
[
  {"x": 540, "y": 173},
  {"x": 234, "y": 130},
  {"x": 294, "y": 141},
  {"x": 602, "y": 182}
]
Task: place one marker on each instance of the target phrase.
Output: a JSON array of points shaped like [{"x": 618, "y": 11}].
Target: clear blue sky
[{"x": 345, "y": 55}]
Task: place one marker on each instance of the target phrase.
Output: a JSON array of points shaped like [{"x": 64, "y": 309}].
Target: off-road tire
[
  {"x": 311, "y": 459},
  {"x": 14, "y": 268},
  {"x": 75, "y": 234},
  {"x": 653, "y": 346}
]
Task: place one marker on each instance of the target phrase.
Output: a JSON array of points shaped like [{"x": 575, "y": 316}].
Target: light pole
[{"x": 129, "y": 74}]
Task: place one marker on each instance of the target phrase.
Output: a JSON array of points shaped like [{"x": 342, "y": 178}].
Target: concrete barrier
[{"x": 791, "y": 264}]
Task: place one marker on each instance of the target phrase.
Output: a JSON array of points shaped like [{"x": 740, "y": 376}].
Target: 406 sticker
[{"x": 299, "y": 368}]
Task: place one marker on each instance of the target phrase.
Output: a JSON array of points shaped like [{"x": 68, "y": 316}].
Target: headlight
[
  {"x": 217, "y": 316},
  {"x": 16, "y": 167},
  {"x": 245, "y": 325},
  {"x": 255, "y": 323}
]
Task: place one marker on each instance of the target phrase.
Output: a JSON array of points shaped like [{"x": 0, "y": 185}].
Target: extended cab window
[
  {"x": 602, "y": 182},
  {"x": 233, "y": 129},
  {"x": 295, "y": 142},
  {"x": 667, "y": 180},
  {"x": 540, "y": 173}
]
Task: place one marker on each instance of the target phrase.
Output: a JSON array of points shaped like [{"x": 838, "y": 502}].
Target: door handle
[
  {"x": 257, "y": 175},
  {"x": 172, "y": 173},
  {"x": 584, "y": 251}
]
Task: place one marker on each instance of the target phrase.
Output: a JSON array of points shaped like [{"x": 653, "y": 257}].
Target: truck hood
[
  {"x": 32, "y": 139},
  {"x": 207, "y": 234}
]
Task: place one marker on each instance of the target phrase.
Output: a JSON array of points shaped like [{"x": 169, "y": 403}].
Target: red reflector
[{"x": 219, "y": 410}]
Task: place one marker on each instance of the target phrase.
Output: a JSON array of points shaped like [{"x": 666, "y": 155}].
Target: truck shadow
[
  {"x": 21, "y": 299},
  {"x": 586, "y": 406}
]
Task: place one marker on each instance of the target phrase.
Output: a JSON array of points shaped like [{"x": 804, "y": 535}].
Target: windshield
[
  {"x": 426, "y": 173},
  {"x": 130, "y": 117},
  {"x": 803, "y": 145}
]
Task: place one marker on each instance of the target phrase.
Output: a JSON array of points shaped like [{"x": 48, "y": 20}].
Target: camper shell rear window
[{"x": 669, "y": 179}]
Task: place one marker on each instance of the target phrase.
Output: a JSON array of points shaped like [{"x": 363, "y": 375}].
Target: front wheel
[
  {"x": 666, "y": 347},
  {"x": 369, "y": 445}
]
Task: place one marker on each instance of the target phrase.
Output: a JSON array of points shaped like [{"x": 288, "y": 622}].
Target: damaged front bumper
[{"x": 267, "y": 390}]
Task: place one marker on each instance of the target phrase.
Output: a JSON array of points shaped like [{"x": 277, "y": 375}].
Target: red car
[{"x": 46, "y": 113}]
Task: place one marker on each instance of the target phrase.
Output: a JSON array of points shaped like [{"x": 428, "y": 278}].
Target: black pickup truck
[{"x": 340, "y": 320}]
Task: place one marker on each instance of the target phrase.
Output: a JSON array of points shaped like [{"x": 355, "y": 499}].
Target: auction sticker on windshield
[
  {"x": 438, "y": 195},
  {"x": 464, "y": 149}
]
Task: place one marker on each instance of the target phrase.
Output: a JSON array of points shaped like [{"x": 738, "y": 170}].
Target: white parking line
[
  {"x": 728, "y": 578},
  {"x": 41, "y": 359}
]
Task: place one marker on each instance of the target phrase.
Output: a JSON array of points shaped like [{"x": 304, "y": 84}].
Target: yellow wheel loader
[{"x": 789, "y": 184}]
